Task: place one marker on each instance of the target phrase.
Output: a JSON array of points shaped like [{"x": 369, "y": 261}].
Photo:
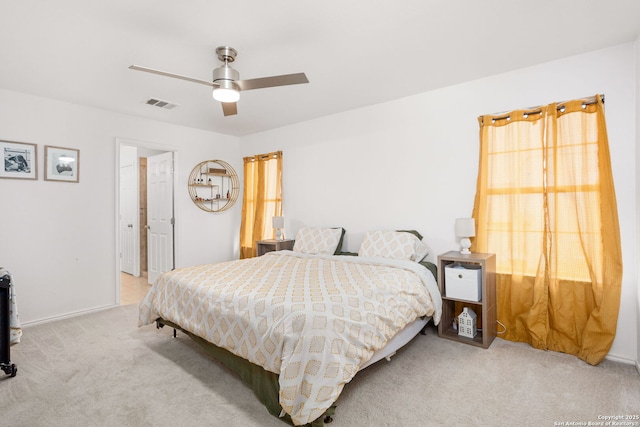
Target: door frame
[{"x": 119, "y": 142}]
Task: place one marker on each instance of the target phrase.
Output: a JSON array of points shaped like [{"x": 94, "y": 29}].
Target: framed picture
[
  {"x": 20, "y": 160},
  {"x": 61, "y": 164}
]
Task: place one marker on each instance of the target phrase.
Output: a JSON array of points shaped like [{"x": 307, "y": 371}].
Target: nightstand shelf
[
  {"x": 270, "y": 245},
  {"x": 485, "y": 308}
]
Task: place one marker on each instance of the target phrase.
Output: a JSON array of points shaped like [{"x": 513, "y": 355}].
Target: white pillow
[
  {"x": 421, "y": 250},
  {"x": 393, "y": 244},
  {"x": 311, "y": 240}
]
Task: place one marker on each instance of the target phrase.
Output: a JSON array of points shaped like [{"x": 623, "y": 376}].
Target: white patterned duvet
[{"x": 312, "y": 319}]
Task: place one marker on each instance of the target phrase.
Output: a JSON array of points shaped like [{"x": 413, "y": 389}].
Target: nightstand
[
  {"x": 485, "y": 307},
  {"x": 270, "y": 245}
]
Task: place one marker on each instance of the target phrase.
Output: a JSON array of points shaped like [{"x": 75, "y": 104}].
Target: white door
[
  {"x": 159, "y": 214},
  {"x": 128, "y": 211}
]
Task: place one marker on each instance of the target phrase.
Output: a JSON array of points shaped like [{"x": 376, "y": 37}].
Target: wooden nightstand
[
  {"x": 485, "y": 308},
  {"x": 270, "y": 245}
]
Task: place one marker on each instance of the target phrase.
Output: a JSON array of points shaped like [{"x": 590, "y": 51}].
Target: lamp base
[{"x": 465, "y": 244}]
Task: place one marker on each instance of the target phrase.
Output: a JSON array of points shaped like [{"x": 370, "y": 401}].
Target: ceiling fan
[{"x": 226, "y": 81}]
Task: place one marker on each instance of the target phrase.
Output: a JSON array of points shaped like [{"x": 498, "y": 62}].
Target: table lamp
[
  {"x": 465, "y": 228},
  {"x": 278, "y": 224}
]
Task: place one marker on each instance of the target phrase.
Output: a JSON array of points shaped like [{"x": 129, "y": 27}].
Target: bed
[{"x": 298, "y": 325}]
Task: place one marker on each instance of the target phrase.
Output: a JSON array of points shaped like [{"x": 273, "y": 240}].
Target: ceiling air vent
[{"x": 161, "y": 104}]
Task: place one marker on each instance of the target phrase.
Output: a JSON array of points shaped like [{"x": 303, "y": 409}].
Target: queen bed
[{"x": 298, "y": 325}]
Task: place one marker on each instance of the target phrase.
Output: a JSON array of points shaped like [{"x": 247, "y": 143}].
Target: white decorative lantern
[{"x": 467, "y": 321}]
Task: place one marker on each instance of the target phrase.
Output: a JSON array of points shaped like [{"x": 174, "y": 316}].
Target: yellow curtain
[
  {"x": 545, "y": 205},
  {"x": 262, "y": 200}
]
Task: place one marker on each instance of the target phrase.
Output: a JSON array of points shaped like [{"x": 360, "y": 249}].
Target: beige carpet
[{"x": 101, "y": 370}]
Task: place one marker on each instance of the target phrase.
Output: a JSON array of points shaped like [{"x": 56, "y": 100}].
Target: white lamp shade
[
  {"x": 465, "y": 227},
  {"x": 277, "y": 222}
]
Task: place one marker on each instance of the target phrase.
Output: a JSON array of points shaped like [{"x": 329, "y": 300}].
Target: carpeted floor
[{"x": 99, "y": 369}]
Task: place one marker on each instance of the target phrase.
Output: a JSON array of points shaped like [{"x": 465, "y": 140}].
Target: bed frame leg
[{"x": 160, "y": 325}]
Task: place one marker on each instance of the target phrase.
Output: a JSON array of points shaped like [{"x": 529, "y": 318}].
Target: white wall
[
  {"x": 412, "y": 163},
  {"x": 58, "y": 239}
]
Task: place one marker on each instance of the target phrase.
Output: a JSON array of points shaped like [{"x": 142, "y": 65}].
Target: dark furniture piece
[{"x": 5, "y": 327}]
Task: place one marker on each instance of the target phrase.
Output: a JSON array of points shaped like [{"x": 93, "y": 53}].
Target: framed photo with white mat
[
  {"x": 61, "y": 164},
  {"x": 19, "y": 160}
]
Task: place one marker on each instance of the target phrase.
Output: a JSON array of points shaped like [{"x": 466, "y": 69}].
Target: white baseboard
[
  {"x": 67, "y": 315},
  {"x": 624, "y": 360}
]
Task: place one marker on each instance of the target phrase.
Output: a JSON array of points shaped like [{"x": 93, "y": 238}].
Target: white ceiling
[{"x": 355, "y": 53}]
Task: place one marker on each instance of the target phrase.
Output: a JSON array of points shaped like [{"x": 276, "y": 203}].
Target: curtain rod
[{"x": 589, "y": 100}]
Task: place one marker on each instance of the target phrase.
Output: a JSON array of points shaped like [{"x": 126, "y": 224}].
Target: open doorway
[{"x": 145, "y": 218}]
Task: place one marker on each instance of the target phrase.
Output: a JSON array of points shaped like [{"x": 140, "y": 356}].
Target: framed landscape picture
[
  {"x": 61, "y": 164},
  {"x": 19, "y": 160}
]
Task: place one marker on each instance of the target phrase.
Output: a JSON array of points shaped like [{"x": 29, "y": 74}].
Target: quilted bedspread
[{"x": 312, "y": 319}]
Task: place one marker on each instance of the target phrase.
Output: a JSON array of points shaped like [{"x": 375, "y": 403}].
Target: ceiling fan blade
[
  {"x": 283, "y": 80},
  {"x": 176, "y": 76},
  {"x": 229, "y": 108}
]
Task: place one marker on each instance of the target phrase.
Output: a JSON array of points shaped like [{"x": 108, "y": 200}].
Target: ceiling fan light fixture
[
  {"x": 226, "y": 95},
  {"x": 227, "y": 91}
]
